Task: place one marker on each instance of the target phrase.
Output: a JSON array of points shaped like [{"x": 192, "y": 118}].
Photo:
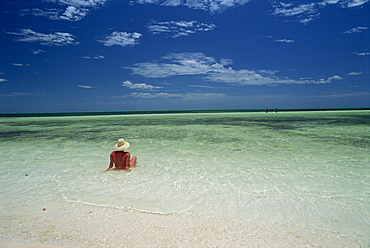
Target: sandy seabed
[
  {"x": 5, "y": 244},
  {"x": 280, "y": 197}
]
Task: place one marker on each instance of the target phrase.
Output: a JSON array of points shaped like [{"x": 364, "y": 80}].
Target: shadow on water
[{"x": 90, "y": 128}]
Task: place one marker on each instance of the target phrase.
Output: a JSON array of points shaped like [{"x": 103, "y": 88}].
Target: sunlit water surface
[{"x": 222, "y": 179}]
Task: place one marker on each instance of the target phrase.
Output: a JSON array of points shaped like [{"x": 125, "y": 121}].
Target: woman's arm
[
  {"x": 127, "y": 161},
  {"x": 111, "y": 162}
]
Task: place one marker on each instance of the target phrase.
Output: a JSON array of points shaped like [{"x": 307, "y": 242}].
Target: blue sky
[{"x": 115, "y": 55}]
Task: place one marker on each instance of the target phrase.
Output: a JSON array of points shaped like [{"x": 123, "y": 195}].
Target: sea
[{"x": 203, "y": 179}]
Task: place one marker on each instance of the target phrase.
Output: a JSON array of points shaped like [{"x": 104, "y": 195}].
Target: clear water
[{"x": 294, "y": 179}]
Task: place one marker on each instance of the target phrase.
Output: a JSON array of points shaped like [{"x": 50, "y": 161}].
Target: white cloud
[
  {"x": 212, "y": 6},
  {"x": 52, "y": 14},
  {"x": 289, "y": 10},
  {"x": 21, "y": 65},
  {"x": 93, "y": 57},
  {"x": 3, "y": 80},
  {"x": 54, "y": 39},
  {"x": 71, "y": 13},
  {"x": 201, "y": 86},
  {"x": 354, "y": 3},
  {"x": 261, "y": 77},
  {"x": 321, "y": 81},
  {"x": 81, "y": 3},
  {"x": 304, "y": 12},
  {"x": 328, "y": 2},
  {"x": 284, "y": 41},
  {"x": 335, "y": 77},
  {"x": 354, "y": 73},
  {"x": 176, "y": 29},
  {"x": 309, "y": 11},
  {"x": 349, "y": 95},
  {"x": 157, "y": 95},
  {"x": 247, "y": 77},
  {"x": 121, "y": 39},
  {"x": 187, "y": 96},
  {"x": 20, "y": 94},
  {"x": 85, "y": 86},
  {"x": 75, "y": 10},
  {"x": 74, "y": 14},
  {"x": 37, "y": 51},
  {"x": 362, "y": 54},
  {"x": 181, "y": 64},
  {"x": 141, "y": 86},
  {"x": 355, "y": 30},
  {"x": 224, "y": 61}
]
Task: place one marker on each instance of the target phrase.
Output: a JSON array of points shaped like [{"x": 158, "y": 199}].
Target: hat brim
[{"x": 121, "y": 148}]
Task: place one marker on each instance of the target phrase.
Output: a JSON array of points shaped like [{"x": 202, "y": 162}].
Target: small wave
[{"x": 120, "y": 207}]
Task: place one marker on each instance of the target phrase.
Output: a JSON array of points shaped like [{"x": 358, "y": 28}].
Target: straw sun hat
[{"x": 121, "y": 145}]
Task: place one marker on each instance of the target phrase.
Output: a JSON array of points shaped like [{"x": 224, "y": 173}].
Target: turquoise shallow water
[{"x": 296, "y": 177}]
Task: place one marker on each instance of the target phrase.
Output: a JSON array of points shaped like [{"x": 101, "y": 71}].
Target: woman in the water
[{"x": 120, "y": 159}]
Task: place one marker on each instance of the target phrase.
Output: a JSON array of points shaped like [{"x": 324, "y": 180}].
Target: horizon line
[{"x": 178, "y": 111}]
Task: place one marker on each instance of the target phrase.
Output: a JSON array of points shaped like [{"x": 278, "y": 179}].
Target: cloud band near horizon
[{"x": 181, "y": 64}]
